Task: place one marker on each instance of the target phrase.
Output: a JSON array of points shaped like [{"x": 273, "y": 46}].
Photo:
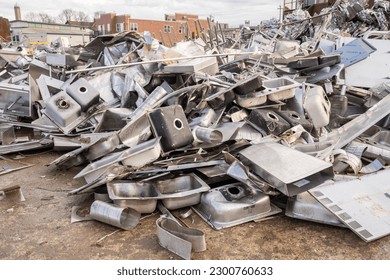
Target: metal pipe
[
  {"x": 223, "y": 35},
  {"x": 202, "y": 32},
  {"x": 169, "y": 38},
  {"x": 152, "y": 61},
  {"x": 174, "y": 35},
  {"x": 162, "y": 38}
]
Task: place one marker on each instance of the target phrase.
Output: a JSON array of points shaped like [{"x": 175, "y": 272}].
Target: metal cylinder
[
  {"x": 202, "y": 134},
  {"x": 124, "y": 218}
]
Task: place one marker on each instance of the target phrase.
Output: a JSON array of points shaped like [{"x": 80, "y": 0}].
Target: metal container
[
  {"x": 124, "y": 218},
  {"x": 294, "y": 119},
  {"x": 251, "y": 99},
  {"x": 83, "y": 93},
  {"x": 269, "y": 121},
  {"x": 139, "y": 196},
  {"x": 171, "y": 124},
  {"x": 280, "y": 88},
  {"x": 317, "y": 106},
  {"x": 248, "y": 85},
  {"x": 182, "y": 191},
  {"x": 62, "y": 109},
  {"x": 233, "y": 204}
]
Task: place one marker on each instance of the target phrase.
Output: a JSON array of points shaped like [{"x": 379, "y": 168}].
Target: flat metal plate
[
  {"x": 354, "y": 51},
  {"x": 362, "y": 204},
  {"x": 373, "y": 70},
  {"x": 290, "y": 171}
]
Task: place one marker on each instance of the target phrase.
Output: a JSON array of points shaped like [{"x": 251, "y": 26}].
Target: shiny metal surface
[
  {"x": 124, "y": 218},
  {"x": 290, "y": 171},
  {"x": 233, "y": 204},
  {"x": 181, "y": 191},
  {"x": 136, "y": 195}
]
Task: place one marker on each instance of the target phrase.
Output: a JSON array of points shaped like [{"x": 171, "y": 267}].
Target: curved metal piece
[
  {"x": 376, "y": 33},
  {"x": 179, "y": 240},
  {"x": 343, "y": 161}
]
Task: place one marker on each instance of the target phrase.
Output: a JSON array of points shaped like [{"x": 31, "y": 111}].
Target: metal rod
[
  {"x": 153, "y": 61},
  {"x": 188, "y": 31},
  {"x": 223, "y": 34},
  {"x": 211, "y": 37},
  {"x": 169, "y": 38},
  {"x": 13, "y": 103},
  {"x": 202, "y": 31},
  {"x": 174, "y": 35},
  {"x": 162, "y": 38}
]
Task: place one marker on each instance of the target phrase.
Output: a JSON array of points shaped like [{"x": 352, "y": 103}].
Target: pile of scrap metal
[
  {"x": 235, "y": 138},
  {"x": 348, "y": 18}
]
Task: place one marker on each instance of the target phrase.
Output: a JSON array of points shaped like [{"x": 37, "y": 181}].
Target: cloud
[{"x": 227, "y": 11}]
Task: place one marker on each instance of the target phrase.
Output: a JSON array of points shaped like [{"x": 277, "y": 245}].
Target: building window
[
  {"x": 181, "y": 29},
  {"x": 119, "y": 27},
  {"x": 108, "y": 27},
  {"x": 167, "y": 29},
  {"x": 100, "y": 29},
  {"x": 133, "y": 26}
]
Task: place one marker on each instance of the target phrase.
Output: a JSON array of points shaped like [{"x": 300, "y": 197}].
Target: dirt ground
[{"x": 40, "y": 228}]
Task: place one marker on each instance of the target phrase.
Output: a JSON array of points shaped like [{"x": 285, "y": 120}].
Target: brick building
[
  {"x": 173, "y": 28},
  {"x": 5, "y": 34}
]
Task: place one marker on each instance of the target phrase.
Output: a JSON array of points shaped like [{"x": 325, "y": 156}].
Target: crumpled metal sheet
[{"x": 264, "y": 69}]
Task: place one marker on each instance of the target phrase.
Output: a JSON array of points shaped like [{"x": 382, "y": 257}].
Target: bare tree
[
  {"x": 67, "y": 15},
  {"x": 81, "y": 16},
  {"x": 44, "y": 17},
  {"x": 31, "y": 16},
  {"x": 39, "y": 17}
]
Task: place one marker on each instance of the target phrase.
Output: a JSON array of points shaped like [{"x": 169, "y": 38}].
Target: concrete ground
[{"x": 40, "y": 228}]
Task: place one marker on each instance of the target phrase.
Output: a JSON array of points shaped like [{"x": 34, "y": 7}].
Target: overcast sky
[{"x": 227, "y": 11}]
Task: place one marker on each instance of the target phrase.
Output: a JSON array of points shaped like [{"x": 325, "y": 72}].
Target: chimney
[{"x": 18, "y": 15}]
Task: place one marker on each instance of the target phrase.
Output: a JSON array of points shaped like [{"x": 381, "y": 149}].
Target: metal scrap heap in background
[{"x": 292, "y": 115}]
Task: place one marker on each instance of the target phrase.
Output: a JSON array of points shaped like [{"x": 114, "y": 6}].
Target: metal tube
[
  {"x": 162, "y": 38},
  {"x": 169, "y": 38},
  {"x": 152, "y": 61},
  {"x": 174, "y": 35},
  {"x": 124, "y": 218}
]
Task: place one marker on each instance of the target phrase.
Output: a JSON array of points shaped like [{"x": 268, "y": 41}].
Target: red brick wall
[
  {"x": 4, "y": 29},
  {"x": 106, "y": 19},
  {"x": 122, "y": 19},
  {"x": 155, "y": 26}
]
